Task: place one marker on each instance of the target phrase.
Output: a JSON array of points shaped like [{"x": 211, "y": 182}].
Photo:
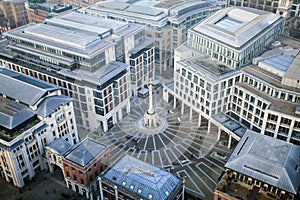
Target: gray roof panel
[
  {"x": 142, "y": 178},
  {"x": 49, "y": 104},
  {"x": 21, "y": 114},
  {"x": 84, "y": 152},
  {"x": 60, "y": 145},
  {"x": 267, "y": 159},
  {"x": 23, "y": 88}
]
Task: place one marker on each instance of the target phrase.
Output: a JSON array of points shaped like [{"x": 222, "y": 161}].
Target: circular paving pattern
[{"x": 178, "y": 145}]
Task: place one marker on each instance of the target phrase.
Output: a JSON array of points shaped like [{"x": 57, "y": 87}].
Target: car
[{"x": 136, "y": 138}]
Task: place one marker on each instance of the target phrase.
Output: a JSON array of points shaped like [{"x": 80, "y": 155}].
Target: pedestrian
[{"x": 46, "y": 192}]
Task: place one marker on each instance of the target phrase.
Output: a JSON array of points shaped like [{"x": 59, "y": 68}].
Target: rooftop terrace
[{"x": 15, "y": 119}]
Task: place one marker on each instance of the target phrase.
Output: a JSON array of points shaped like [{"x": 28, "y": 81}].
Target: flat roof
[
  {"x": 279, "y": 62},
  {"x": 84, "y": 152},
  {"x": 73, "y": 41},
  {"x": 102, "y": 27},
  {"x": 207, "y": 67},
  {"x": 267, "y": 159},
  {"x": 143, "y": 13},
  {"x": 236, "y": 26},
  {"x": 98, "y": 77},
  {"x": 141, "y": 178},
  {"x": 278, "y": 105},
  {"x": 231, "y": 124},
  {"x": 293, "y": 72},
  {"x": 140, "y": 9},
  {"x": 268, "y": 77}
]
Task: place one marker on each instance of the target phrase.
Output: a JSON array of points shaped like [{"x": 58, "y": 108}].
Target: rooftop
[
  {"x": 60, "y": 145},
  {"x": 102, "y": 27},
  {"x": 18, "y": 93},
  {"x": 280, "y": 62},
  {"x": 267, "y": 159},
  {"x": 13, "y": 114},
  {"x": 84, "y": 152},
  {"x": 49, "y": 104},
  {"x": 236, "y": 26},
  {"x": 207, "y": 66},
  {"x": 144, "y": 13},
  {"x": 74, "y": 41},
  {"x": 98, "y": 77},
  {"x": 268, "y": 77},
  {"x": 276, "y": 104},
  {"x": 23, "y": 88},
  {"x": 141, "y": 178},
  {"x": 236, "y": 128}
]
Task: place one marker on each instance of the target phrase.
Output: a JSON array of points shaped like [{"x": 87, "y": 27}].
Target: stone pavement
[
  {"x": 44, "y": 186},
  {"x": 181, "y": 148}
]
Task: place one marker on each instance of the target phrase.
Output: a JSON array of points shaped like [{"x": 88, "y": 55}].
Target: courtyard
[{"x": 178, "y": 145}]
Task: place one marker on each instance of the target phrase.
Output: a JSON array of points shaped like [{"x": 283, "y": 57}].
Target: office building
[
  {"x": 99, "y": 62},
  {"x": 261, "y": 167},
  {"x": 33, "y": 113},
  {"x": 130, "y": 178},
  {"x": 262, "y": 96},
  {"x": 81, "y": 164},
  {"x": 167, "y": 21},
  {"x": 14, "y": 12},
  {"x": 267, "y": 98},
  {"x": 287, "y": 9},
  {"x": 235, "y": 35},
  {"x": 39, "y": 12}
]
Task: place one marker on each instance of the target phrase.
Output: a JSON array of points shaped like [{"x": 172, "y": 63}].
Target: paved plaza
[
  {"x": 44, "y": 186},
  {"x": 178, "y": 145}
]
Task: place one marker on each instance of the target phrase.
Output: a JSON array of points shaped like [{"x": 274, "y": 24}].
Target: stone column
[
  {"x": 229, "y": 142},
  {"x": 200, "y": 119},
  {"x": 100, "y": 188},
  {"x": 151, "y": 109},
  {"x": 191, "y": 113},
  {"x": 219, "y": 133},
  {"x": 174, "y": 102},
  {"x": 105, "y": 126},
  {"x": 208, "y": 126}
]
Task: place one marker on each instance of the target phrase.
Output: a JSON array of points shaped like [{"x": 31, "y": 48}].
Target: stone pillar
[
  {"x": 219, "y": 133},
  {"x": 105, "y": 126},
  {"x": 182, "y": 107},
  {"x": 208, "y": 126},
  {"x": 151, "y": 109},
  {"x": 191, "y": 114},
  {"x": 114, "y": 116},
  {"x": 100, "y": 188},
  {"x": 120, "y": 114},
  {"x": 199, "y": 122},
  {"x": 128, "y": 106},
  {"x": 174, "y": 102},
  {"x": 229, "y": 142}
]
